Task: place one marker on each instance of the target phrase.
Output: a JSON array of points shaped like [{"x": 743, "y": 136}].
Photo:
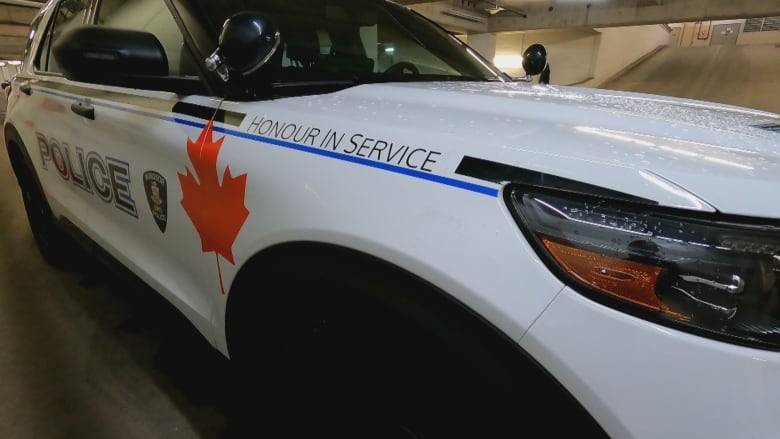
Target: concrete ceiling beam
[
  {"x": 12, "y": 43},
  {"x": 454, "y": 17},
  {"x": 17, "y": 15},
  {"x": 14, "y": 30},
  {"x": 555, "y": 15},
  {"x": 23, "y": 3}
]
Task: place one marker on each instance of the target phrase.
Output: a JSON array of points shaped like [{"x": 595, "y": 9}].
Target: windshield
[{"x": 349, "y": 42}]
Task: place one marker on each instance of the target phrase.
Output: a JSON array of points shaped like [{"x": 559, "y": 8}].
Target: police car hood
[{"x": 682, "y": 153}]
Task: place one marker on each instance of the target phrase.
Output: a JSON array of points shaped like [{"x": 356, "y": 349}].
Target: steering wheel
[{"x": 401, "y": 66}]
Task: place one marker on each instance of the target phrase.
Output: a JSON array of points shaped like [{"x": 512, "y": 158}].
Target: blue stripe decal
[
  {"x": 352, "y": 159},
  {"x": 484, "y": 190}
]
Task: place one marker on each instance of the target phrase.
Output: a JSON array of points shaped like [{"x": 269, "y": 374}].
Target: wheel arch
[
  {"x": 18, "y": 155},
  {"x": 496, "y": 355},
  {"x": 356, "y": 267}
]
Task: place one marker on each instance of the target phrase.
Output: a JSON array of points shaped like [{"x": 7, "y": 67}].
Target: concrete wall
[
  {"x": 620, "y": 48},
  {"x": 570, "y": 52},
  {"x": 586, "y": 57},
  {"x": 699, "y": 34},
  {"x": 759, "y": 38},
  {"x": 696, "y": 34},
  {"x": 9, "y": 69}
]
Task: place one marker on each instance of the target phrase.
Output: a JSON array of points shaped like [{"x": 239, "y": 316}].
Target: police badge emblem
[{"x": 157, "y": 195}]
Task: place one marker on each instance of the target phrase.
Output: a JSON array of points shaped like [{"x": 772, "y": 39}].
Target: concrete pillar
[{"x": 484, "y": 44}]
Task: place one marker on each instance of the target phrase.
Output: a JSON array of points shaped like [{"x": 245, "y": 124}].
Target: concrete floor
[{"x": 86, "y": 355}]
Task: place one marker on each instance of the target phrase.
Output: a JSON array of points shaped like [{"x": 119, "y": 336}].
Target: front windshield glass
[{"x": 351, "y": 42}]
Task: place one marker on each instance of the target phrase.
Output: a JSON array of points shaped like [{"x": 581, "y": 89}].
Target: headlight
[{"x": 711, "y": 274}]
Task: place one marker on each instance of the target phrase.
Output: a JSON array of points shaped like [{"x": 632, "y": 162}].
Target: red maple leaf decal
[{"x": 216, "y": 210}]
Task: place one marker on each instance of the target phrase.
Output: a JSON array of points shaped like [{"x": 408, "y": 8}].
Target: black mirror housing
[
  {"x": 535, "y": 62},
  {"x": 534, "y": 59},
  {"x": 108, "y": 55},
  {"x": 247, "y": 41}
]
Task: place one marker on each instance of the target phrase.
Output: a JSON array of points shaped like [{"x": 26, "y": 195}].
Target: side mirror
[
  {"x": 247, "y": 41},
  {"x": 119, "y": 57},
  {"x": 535, "y": 62},
  {"x": 109, "y": 55}
]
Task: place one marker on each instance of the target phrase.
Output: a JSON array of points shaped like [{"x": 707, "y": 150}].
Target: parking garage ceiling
[
  {"x": 487, "y": 16},
  {"x": 15, "y": 18}
]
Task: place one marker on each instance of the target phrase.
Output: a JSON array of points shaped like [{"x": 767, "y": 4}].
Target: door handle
[
  {"x": 84, "y": 110},
  {"x": 26, "y": 88}
]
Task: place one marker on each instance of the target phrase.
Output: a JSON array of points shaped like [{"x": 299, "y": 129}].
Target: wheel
[
  {"x": 54, "y": 246},
  {"x": 362, "y": 352},
  {"x": 399, "y": 68}
]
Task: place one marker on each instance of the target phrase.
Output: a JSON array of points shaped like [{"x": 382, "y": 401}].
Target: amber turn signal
[{"x": 626, "y": 280}]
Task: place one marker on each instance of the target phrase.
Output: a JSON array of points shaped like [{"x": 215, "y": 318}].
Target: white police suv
[{"x": 379, "y": 228}]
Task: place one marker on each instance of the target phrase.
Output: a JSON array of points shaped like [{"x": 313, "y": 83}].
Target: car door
[
  {"x": 54, "y": 134},
  {"x": 134, "y": 144}
]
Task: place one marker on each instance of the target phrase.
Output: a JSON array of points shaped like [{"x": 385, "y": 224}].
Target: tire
[
  {"x": 364, "y": 353},
  {"x": 55, "y": 247}
]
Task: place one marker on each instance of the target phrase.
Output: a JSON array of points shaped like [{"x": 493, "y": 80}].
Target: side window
[
  {"x": 150, "y": 16},
  {"x": 326, "y": 48},
  {"x": 69, "y": 13}
]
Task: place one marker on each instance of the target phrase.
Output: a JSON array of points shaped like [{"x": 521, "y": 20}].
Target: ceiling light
[
  {"x": 495, "y": 8},
  {"x": 464, "y": 15}
]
